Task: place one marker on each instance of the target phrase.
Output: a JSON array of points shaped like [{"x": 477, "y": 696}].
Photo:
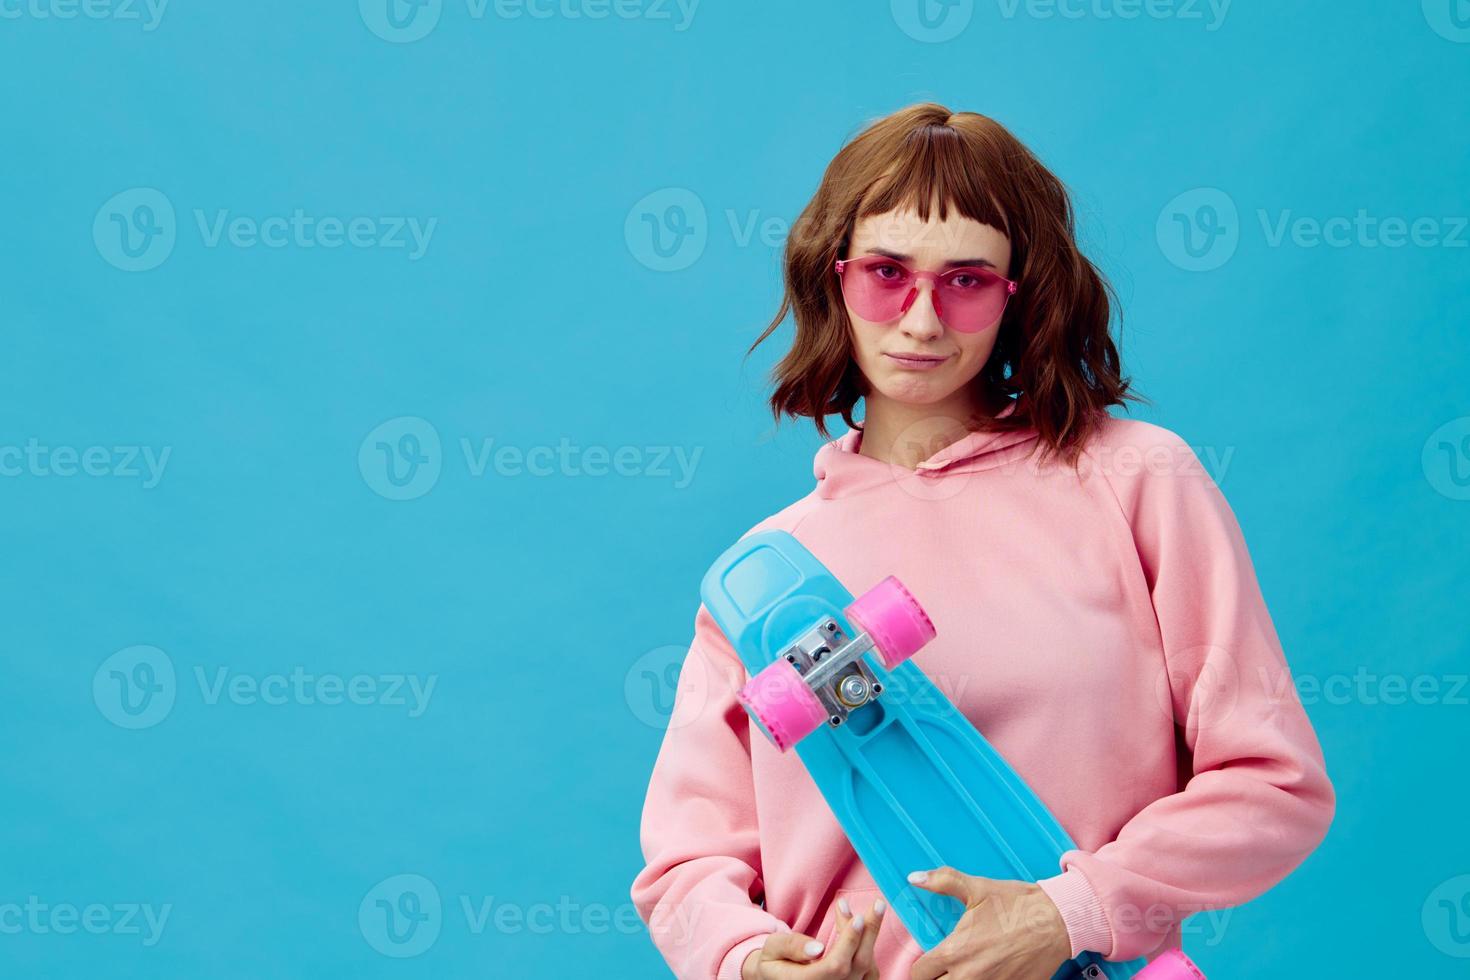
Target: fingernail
[
  {"x": 857, "y": 922},
  {"x": 879, "y": 907},
  {"x": 918, "y": 877},
  {"x": 813, "y": 948},
  {"x": 842, "y": 904}
]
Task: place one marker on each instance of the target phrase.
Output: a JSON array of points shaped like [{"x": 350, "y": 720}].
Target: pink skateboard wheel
[
  {"x": 780, "y": 700},
  {"x": 1173, "y": 965},
  {"x": 894, "y": 619}
]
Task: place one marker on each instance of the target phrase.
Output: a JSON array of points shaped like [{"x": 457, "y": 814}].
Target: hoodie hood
[{"x": 841, "y": 469}]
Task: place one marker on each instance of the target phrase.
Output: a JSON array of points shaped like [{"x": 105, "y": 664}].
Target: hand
[
  {"x": 1010, "y": 930},
  {"x": 793, "y": 956}
]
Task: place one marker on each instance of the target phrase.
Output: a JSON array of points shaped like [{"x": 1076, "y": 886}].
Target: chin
[{"x": 915, "y": 391}]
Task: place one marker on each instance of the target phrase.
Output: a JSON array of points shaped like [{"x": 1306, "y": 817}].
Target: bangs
[{"x": 935, "y": 169}]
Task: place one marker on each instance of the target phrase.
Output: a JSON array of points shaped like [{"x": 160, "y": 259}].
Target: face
[{"x": 916, "y": 359}]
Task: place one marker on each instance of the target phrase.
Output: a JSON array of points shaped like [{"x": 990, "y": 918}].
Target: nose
[{"x": 920, "y": 320}]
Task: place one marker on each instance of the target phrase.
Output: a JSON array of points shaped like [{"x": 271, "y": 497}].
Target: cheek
[
  {"x": 975, "y": 348},
  {"x": 866, "y": 340}
]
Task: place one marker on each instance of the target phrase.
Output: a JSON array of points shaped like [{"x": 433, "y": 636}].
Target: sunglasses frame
[{"x": 934, "y": 278}]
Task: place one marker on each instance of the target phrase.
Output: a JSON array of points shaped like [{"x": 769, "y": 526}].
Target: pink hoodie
[{"x": 1105, "y": 632}]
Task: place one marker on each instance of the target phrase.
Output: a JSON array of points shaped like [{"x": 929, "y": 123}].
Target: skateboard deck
[{"x": 912, "y": 782}]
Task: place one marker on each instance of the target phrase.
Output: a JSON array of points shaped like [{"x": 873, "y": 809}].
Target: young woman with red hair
[{"x": 1099, "y": 619}]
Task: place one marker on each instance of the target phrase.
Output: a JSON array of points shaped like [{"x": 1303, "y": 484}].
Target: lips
[{"x": 917, "y": 361}]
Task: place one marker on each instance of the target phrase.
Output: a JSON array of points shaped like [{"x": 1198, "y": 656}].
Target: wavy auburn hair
[{"x": 1053, "y": 355}]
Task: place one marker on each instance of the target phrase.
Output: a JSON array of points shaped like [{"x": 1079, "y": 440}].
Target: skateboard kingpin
[{"x": 913, "y": 783}]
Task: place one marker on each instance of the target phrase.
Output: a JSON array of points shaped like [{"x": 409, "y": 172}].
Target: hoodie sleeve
[
  {"x": 1258, "y": 800},
  {"x": 701, "y": 846}
]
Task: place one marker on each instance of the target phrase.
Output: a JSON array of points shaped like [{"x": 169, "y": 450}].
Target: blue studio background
[{"x": 372, "y": 399}]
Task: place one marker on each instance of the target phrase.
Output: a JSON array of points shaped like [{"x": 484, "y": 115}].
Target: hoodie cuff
[
  {"x": 1082, "y": 912},
  {"x": 735, "y": 959}
]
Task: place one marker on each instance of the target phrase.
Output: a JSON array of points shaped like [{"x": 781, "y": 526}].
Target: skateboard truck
[
  {"x": 832, "y": 665},
  {"x": 822, "y": 677}
]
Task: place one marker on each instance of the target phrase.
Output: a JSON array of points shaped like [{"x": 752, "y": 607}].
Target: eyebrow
[{"x": 951, "y": 264}]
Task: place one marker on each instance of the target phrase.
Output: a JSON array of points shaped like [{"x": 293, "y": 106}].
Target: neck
[{"x": 905, "y": 434}]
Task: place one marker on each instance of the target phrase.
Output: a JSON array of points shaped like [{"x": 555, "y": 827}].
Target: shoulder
[
  {"x": 788, "y": 517},
  {"x": 1116, "y": 435},
  {"x": 1149, "y": 468},
  {"x": 1129, "y": 450}
]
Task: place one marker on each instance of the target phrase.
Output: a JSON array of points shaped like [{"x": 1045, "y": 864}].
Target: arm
[
  {"x": 699, "y": 834},
  {"x": 1259, "y": 800}
]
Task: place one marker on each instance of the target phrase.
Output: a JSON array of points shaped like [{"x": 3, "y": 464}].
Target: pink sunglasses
[{"x": 968, "y": 299}]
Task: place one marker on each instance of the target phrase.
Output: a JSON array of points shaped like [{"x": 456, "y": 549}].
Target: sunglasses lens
[
  {"x": 876, "y": 291},
  {"x": 967, "y": 300},
  {"x": 970, "y": 300}
]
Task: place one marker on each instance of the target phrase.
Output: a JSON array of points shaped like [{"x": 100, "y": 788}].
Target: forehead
[{"x": 905, "y": 233}]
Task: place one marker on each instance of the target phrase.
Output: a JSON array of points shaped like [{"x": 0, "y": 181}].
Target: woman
[{"x": 1099, "y": 619}]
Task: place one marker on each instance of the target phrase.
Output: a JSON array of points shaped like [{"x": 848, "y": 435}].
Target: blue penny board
[{"x": 911, "y": 781}]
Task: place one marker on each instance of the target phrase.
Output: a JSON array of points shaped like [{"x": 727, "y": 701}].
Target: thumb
[{"x": 948, "y": 881}]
